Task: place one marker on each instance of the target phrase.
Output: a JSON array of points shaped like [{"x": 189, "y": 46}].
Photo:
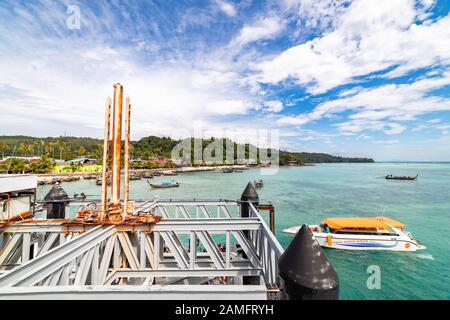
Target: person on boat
[{"x": 327, "y": 228}]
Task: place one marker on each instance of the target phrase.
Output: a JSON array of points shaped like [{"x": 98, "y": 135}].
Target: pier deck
[{"x": 177, "y": 257}]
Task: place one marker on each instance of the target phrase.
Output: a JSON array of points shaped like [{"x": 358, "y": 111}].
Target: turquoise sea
[{"x": 309, "y": 194}]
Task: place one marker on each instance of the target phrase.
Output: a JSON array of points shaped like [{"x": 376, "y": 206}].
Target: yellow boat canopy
[{"x": 362, "y": 223}]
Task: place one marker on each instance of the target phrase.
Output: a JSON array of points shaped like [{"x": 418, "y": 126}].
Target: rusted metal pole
[
  {"x": 272, "y": 220},
  {"x": 126, "y": 158},
  {"x": 105, "y": 158},
  {"x": 116, "y": 145}
]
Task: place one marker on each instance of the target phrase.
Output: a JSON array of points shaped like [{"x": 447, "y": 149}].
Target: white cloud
[
  {"x": 227, "y": 107},
  {"x": 387, "y": 141},
  {"x": 370, "y": 36},
  {"x": 227, "y": 8},
  {"x": 381, "y": 107},
  {"x": 261, "y": 29},
  {"x": 274, "y": 106}
]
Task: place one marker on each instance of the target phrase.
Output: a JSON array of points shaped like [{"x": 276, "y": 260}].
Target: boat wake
[{"x": 425, "y": 256}]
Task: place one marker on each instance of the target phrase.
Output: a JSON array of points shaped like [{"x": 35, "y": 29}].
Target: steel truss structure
[{"x": 179, "y": 256}]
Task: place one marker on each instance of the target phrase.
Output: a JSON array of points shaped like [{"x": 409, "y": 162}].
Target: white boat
[{"x": 371, "y": 233}]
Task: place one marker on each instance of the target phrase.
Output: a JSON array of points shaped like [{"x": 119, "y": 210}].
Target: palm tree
[
  {"x": 62, "y": 148},
  {"x": 3, "y": 148},
  {"x": 81, "y": 151},
  {"x": 50, "y": 148},
  {"x": 23, "y": 148},
  {"x": 38, "y": 145}
]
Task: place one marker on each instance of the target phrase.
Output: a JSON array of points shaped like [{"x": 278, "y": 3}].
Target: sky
[{"x": 351, "y": 78}]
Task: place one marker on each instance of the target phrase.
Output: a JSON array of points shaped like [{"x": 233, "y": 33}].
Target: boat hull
[
  {"x": 366, "y": 242},
  {"x": 157, "y": 186}
]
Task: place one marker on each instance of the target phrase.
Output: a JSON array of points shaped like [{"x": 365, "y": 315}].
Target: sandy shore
[{"x": 52, "y": 178}]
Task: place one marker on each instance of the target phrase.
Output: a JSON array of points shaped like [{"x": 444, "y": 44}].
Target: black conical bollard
[
  {"x": 57, "y": 200},
  {"x": 248, "y": 196},
  {"x": 305, "y": 270}
]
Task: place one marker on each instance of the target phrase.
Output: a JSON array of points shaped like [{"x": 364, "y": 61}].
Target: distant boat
[
  {"x": 156, "y": 174},
  {"x": 258, "y": 184},
  {"x": 227, "y": 170},
  {"x": 100, "y": 181},
  {"x": 135, "y": 177},
  {"x": 147, "y": 175},
  {"x": 169, "y": 173},
  {"x": 391, "y": 177},
  {"x": 170, "y": 184},
  {"x": 238, "y": 170}
]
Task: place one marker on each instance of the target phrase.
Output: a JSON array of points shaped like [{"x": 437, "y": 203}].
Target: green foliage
[
  {"x": 145, "y": 148},
  {"x": 43, "y": 165},
  {"x": 306, "y": 157},
  {"x": 13, "y": 165},
  {"x": 73, "y": 167}
]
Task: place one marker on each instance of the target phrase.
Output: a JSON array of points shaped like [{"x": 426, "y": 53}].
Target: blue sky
[{"x": 353, "y": 78}]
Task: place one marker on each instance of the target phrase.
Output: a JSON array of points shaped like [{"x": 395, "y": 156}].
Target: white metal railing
[{"x": 268, "y": 247}]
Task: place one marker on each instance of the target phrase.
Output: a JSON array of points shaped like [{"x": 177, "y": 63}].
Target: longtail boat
[
  {"x": 391, "y": 177},
  {"x": 147, "y": 175},
  {"x": 169, "y": 173},
  {"x": 164, "y": 185}
]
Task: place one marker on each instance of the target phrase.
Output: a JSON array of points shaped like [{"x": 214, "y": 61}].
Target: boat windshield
[{"x": 376, "y": 232}]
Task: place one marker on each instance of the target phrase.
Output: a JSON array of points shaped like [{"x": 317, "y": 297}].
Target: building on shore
[
  {"x": 17, "y": 196},
  {"x": 83, "y": 161},
  {"x": 159, "y": 160}
]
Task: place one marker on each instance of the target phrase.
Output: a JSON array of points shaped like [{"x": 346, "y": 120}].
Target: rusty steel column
[
  {"x": 272, "y": 220},
  {"x": 105, "y": 158},
  {"x": 126, "y": 159},
  {"x": 116, "y": 145}
]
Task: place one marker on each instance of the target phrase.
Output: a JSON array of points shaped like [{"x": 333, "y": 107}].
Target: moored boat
[
  {"x": 392, "y": 177},
  {"x": 227, "y": 170},
  {"x": 258, "y": 184},
  {"x": 371, "y": 233},
  {"x": 135, "y": 177},
  {"x": 147, "y": 175},
  {"x": 156, "y": 174},
  {"x": 99, "y": 181},
  {"x": 169, "y": 173},
  {"x": 163, "y": 185}
]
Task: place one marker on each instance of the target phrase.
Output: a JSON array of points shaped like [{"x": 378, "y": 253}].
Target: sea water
[{"x": 309, "y": 194}]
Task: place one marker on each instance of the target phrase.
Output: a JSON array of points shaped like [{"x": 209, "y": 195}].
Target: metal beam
[
  {"x": 123, "y": 292},
  {"x": 38, "y": 269}
]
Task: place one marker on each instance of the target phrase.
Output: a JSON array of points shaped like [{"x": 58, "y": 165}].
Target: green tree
[
  {"x": 81, "y": 151},
  {"x": 49, "y": 148},
  {"x": 3, "y": 148},
  {"x": 62, "y": 147},
  {"x": 26, "y": 149},
  {"x": 43, "y": 165},
  {"x": 14, "y": 165}
]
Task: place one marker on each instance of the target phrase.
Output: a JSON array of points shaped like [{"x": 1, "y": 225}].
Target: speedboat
[{"x": 371, "y": 233}]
